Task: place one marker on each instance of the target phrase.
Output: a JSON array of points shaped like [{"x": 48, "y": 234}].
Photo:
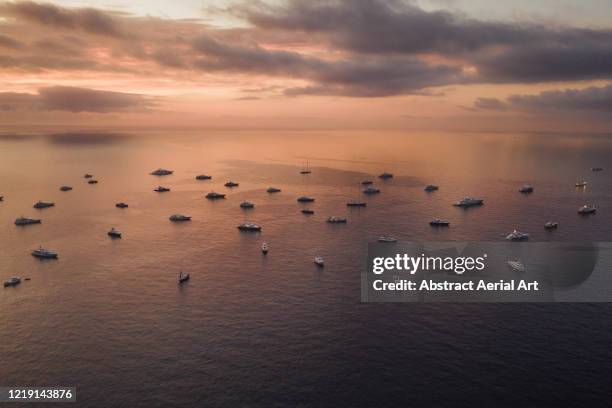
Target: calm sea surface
[{"x": 251, "y": 331}]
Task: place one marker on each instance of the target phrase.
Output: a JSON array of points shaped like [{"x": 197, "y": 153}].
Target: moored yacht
[
  {"x": 469, "y": 202},
  {"x": 431, "y": 187},
  {"x": 307, "y": 211},
  {"x": 179, "y": 218},
  {"x": 526, "y": 189},
  {"x": 92, "y": 182},
  {"x": 161, "y": 189},
  {"x": 203, "y": 177},
  {"x": 581, "y": 184},
  {"x": 387, "y": 238},
  {"x": 264, "y": 248},
  {"x": 319, "y": 261},
  {"x": 305, "y": 199},
  {"x": 517, "y": 236},
  {"x": 439, "y": 223},
  {"x": 247, "y": 204},
  {"x": 366, "y": 182},
  {"x": 336, "y": 220},
  {"x": 356, "y": 203},
  {"x": 183, "y": 277},
  {"x": 43, "y": 204},
  {"x": 87, "y": 176},
  {"x": 273, "y": 190},
  {"x": 587, "y": 209},
  {"x": 27, "y": 221},
  {"x": 231, "y": 184},
  {"x": 13, "y": 281},
  {"x": 551, "y": 225},
  {"x": 114, "y": 233},
  {"x": 214, "y": 196},
  {"x": 249, "y": 226},
  {"x": 385, "y": 176},
  {"x": 41, "y": 252},
  {"x": 65, "y": 188},
  {"x": 162, "y": 172},
  {"x": 369, "y": 190},
  {"x": 305, "y": 170},
  {"x": 121, "y": 205},
  {"x": 596, "y": 168}
]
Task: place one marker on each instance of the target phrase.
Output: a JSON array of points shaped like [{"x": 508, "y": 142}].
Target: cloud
[
  {"x": 72, "y": 99},
  {"x": 592, "y": 99},
  {"x": 9, "y": 42}
]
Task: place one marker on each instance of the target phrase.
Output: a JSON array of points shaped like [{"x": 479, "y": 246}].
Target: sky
[{"x": 448, "y": 65}]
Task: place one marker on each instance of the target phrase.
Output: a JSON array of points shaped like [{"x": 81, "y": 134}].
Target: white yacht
[
  {"x": 203, "y": 177},
  {"x": 264, "y": 248},
  {"x": 431, "y": 187},
  {"x": 26, "y": 221},
  {"x": 517, "y": 266},
  {"x": 581, "y": 184},
  {"x": 231, "y": 184},
  {"x": 319, "y": 261},
  {"x": 214, "y": 196},
  {"x": 551, "y": 225},
  {"x": 273, "y": 190},
  {"x": 336, "y": 220},
  {"x": 249, "y": 226},
  {"x": 13, "y": 281},
  {"x": 517, "y": 236},
  {"x": 41, "y": 252},
  {"x": 469, "y": 202},
  {"x": 179, "y": 217},
  {"x": 587, "y": 209},
  {"x": 526, "y": 189},
  {"x": 439, "y": 223},
  {"x": 114, "y": 233},
  {"x": 43, "y": 204},
  {"x": 387, "y": 238},
  {"x": 65, "y": 188},
  {"x": 247, "y": 204},
  {"x": 305, "y": 199},
  {"x": 369, "y": 190},
  {"x": 161, "y": 189},
  {"x": 162, "y": 172},
  {"x": 385, "y": 176},
  {"x": 183, "y": 277}
]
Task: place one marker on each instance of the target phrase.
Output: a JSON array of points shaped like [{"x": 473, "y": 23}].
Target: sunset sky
[{"x": 472, "y": 65}]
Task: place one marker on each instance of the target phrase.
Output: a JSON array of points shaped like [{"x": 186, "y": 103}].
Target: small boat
[
  {"x": 517, "y": 266},
  {"x": 305, "y": 170},
  {"x": 355, "y": 203},
  {"x": 183, "y": 277},
  {"x": 161, "y": 189},
  {"x": 92, "y": 182},
  {"x": 41, "y": 252},
  {"x": 319, "y": 261},
  {"x": 65, "y": 188},
  {"x": 27, "y": 221},
  {"x": 161, "y": 172},
  {"x": 387, "y": 238},
  {"x": 247, "y": 204},
  {"x": 214, "y": 196},
  {"x": 13, "y": 281},
  {"x": 581, "y": 184},
  {"x": 439, "y": 223},
  {"x": 526, "y": 189},
  {"x": 369, "y": 190},
  {"x": 87, "y": 176},
  {"x": 203, "y": 177},
  {"x": 366, "y": 182},
  {"x": 469, "y": 202},
  {"x": 307, "y": 211},
  {"x": 305, "y": 199},
  {"x": 43, "y": 204},
  {"x": 385, "y": 176},
  {"x": 336, "y": 220},
  {"x": 231, "y": 184},
  {"x": 273, "y": 190},
  {"x": 551, "y": 225},
  {"x": 431, "y": 187},
  {"x": 121, "y": 205},
  {"x": 587, "y": 209},
  {"x": 517, "y": 236},
  {"x": 264, "y": 248},
  {"x": 179, "y": 218},
  {"x": 596, "y": 168},
  {"x": 114, "y": 233},
  {"x": 249, "y": 226}
]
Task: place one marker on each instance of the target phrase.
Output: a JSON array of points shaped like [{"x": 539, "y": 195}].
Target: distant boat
[
  {"x": 203, "y": 177},
  {"x": 581, "y": 184},
  {"x": 305, "y": 199},
  {"x": 92, "y": 182},
  {"x": 369, "y": 190},
  {"x": 587, "y": 209},
  {"x": 387, "y": 238},
  {"x": 517, "y": 236},
  {"x": 161, "y": 189},
  {"x": 366, "y": 182},
  {"x": 214, "y": 196},
  {"x": 231, "y": 184},
  {"x": 319, "y": 261},
  {"x": 179, "y": 218},
  {"x": 469, "y": 202},
  {"x": 43, "y": 204},
  {"x": 183, "y": 277},
  {"x": 162, "y": 172},
  {"x": 114, "y": 233},
  {"x": 336, "y": 220},
  {"x": 249, "y": 226},
  {"x": 431, "y": 187},
  {"x": 526, "y": 189},
  {"x": 355, "y": 203},
  {"x": 13, "y": 281},
  {"x": 121, "y": 205},
  {"x": 439, "y": 223},
  {"x": 247, "y": 204},
  {"x": 305, "y": 170},
  {"x": 307, "y": 211},
  {"x": 41, "y": 252},
  {"x": 26, "y": 221},
  {"x": 385, "y": 176},
  {"x": 87, "y": 176},
  {"x": 65, "y": 188},
  {"x": 551, "y": 225},
  {"x": 273, "y": 190},
  {"x": 264, "y": 248},
  {"x": 517, "y": 266},
  {"x": 596, "y": 168}
]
